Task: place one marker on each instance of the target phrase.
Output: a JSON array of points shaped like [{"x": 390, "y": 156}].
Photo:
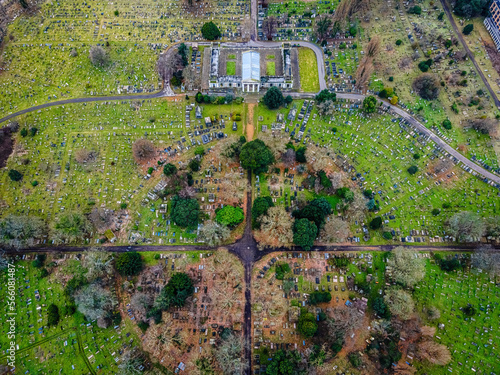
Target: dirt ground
[
  {"x": 249, "y": 126},
  {"x": 6, "y": 146}
]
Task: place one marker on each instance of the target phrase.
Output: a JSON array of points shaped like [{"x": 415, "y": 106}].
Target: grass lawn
[
  {"x": 271, "y": 68},
  {"x": 231, "y": 57},
  {"x": 309, "y": 78},
  {"x": 270, "y": 57},
  {"x": 231, "y": 68}
]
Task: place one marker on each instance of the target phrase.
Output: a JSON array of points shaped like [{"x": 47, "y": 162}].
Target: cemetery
[{"x": 353, "y": 285}]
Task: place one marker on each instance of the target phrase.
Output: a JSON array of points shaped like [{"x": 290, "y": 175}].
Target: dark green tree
[
  {"x": 129, "y": 264},
  {"x": 370, "y": 104},
  {"x": 199, "y": 97},
  {"x": 175, "y": 293},
  {"x": 15, "y": 175},
  {"x": 325, "y": 95},
  {"x": 300, "y": 154},
  {"x": 183, "y": 53},
  {"x": 53, "y": 315},
  {"x": 194, "y": 165},
  {"x": 210, "y": 31},
  {"x": 256, "y": 156},
  {"x": 285, "y": 363},
  {"x": 468, "y": 29},
  {"x": 413, "y": 169},
  {"x": 307, "y": 324},
  {"x": 376, "y": 223},
  {"x": 185, "y": 211},
  {"x": 304, "y": 233},
  {"x": 169, "y": 169},
  {"x": 472, "y": 8},
  {"x": 259, "y": 208},
  {"x": 273, "y": 98}
]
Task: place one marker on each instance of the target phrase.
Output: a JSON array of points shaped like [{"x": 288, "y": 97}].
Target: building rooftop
[{"x": 251, "y": 66}]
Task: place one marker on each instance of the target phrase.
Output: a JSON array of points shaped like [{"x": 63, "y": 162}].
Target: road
[{"x": 469, "y": 53}]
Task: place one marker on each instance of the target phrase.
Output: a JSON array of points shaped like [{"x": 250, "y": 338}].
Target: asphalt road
[{"x": 469, "y": 53}]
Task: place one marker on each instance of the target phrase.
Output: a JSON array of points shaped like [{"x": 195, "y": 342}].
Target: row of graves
[
  {"x": 276, "y": 310},
  {"x": 362, "y": 147},
  {"x": 298, "y": 23},
  {"x": 85, "y": 347},
  {"x": 472, "y": 340},
  {"x": 131, "y": 73},
  {"x": 341, "y": 65}
]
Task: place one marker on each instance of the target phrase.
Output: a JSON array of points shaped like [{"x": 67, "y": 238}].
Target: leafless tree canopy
[
  {"x": 465, "y": 226},
  {"x": 407, "y": 268},
  {"x": 326, "y": 108},
  {"x": 486, "y": 126},
  {"x": 364, "y": 73},
  {"x": 213, "y": 233},
  {"x": 400, "y": 303},
  {"x": 83, "y": 156},
  {"x": 487, "y": 259},
  {"x": 94, "y": 302},
  {"x": 102, "y": 218},
  {"x": 143, "y": 150},
  {"x": 335, "y": 230},
  {"x": 229, "y": 356},
  {"x": 98, "y": 56},
  {"x": 345, "y": 320},
  {"x": 269, "y": 27},
  {"x": 276, "y": 228},
  {"x": 433, "y": 352},
  {"x": 288, "y": 157},
  {"x": 168, "y": 64}
]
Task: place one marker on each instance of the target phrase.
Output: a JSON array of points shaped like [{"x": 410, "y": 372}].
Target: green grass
[
  {"x": 270, "y": 68},
  {"x": 231, "y": 57},
  {"x": 270, "y": 57},
  {"x": 231, "y": 68},
  {"x": 309, "y": 78}
]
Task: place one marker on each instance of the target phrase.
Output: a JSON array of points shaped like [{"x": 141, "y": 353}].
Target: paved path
[
  {"x": 421, "y": 127},
  {"x": 166, "y": 92},
  {"x": 469, "y": 53}
]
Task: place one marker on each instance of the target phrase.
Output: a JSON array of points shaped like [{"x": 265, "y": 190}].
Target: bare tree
[
  {"x": 70, "y": 227},
  {"x": 21, "y": 231},
  {"x": 373, "y": 47},
  {"x": 98, "y": 56},
  {"x": 130, "y": 363},
  {"x": 141, "y": 302},
  {"x": 213, "y": 233},
  {"x": 433, "y": 352},
  {"x": 94, "y": 302},
  {"x": 288, "y": 157},
  {"x": 465, "y": 226},
  {"x": 98, "y": 262},
  {"x": 335, "y": 230},
  {"x": 269, "y": 27},
  {"x": 229, "y": 356},
  {"x": 356, "y": 209},
  {"x": 336, "y": 179},
  {"x": 326, "y": 108},
  {"x": 191, "y": 79},
  {"x": 83, "y": 156},
  {"x": 486, "y": 126},
  {"x": 168, "y": 64},
  {"x": 143, "y": 150},
  {"x": 407, "y": 267},
  {"x": 400, "y": 303},
  {"x": 487, "y": 259},
  {"x": 102, "y": 218},
  {"x": 345, "y": 321},
  {"x": 364, "y": 73},
  {"x": 275, "y": 228}
]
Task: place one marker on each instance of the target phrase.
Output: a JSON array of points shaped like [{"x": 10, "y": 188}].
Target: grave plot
[
  {"x": 375, "y": 154},
  {"x": 38, "y": 70},
  {"x": 471, "y": 340},
  {"x": 284, "y": 284},
  {"x": 193, "y": 331},
  {"x": 72, "y": 345}
]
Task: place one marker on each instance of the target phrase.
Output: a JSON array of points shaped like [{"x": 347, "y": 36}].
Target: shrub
[
  {"x": 387, "y": 235},
  {"x": 468, "y": 29},
  {"x": 413, "y": 169},
  {"x": 436, "y": 211},
  {"x": 307, "y": 324},
  {"x": 169, "y": 169},
  {"x": 34, "y": 183},
  {"x": 15, "y": 175},
  {"x": 376, "y": 223},
  {"x": 185, "y": 212},
  {"x": 319, "y": 297},
  {"x": 355, "y": 360},
  {"x": 399, "y": 42},
  {"x": 23, "y": 132},
  {"x": 447, "y": 124},
  {"x": 123, "y": 206},
  {"x": 416, "y": 156},
  {"x": 194, "y": 165},
  {"x": 415, "y": 10},
  {"x": 427, "y": 86},
  {"x": 129, "y": 264}
]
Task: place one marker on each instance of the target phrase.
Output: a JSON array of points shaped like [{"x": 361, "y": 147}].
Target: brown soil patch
[
  {"x": 6, "y": 145},
  {"x": 249, "y": 127}
]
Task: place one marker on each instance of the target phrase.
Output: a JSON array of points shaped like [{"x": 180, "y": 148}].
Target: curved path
[
  {"x": 469, "y": 53},
  {"x": 159, "y": 94}
]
